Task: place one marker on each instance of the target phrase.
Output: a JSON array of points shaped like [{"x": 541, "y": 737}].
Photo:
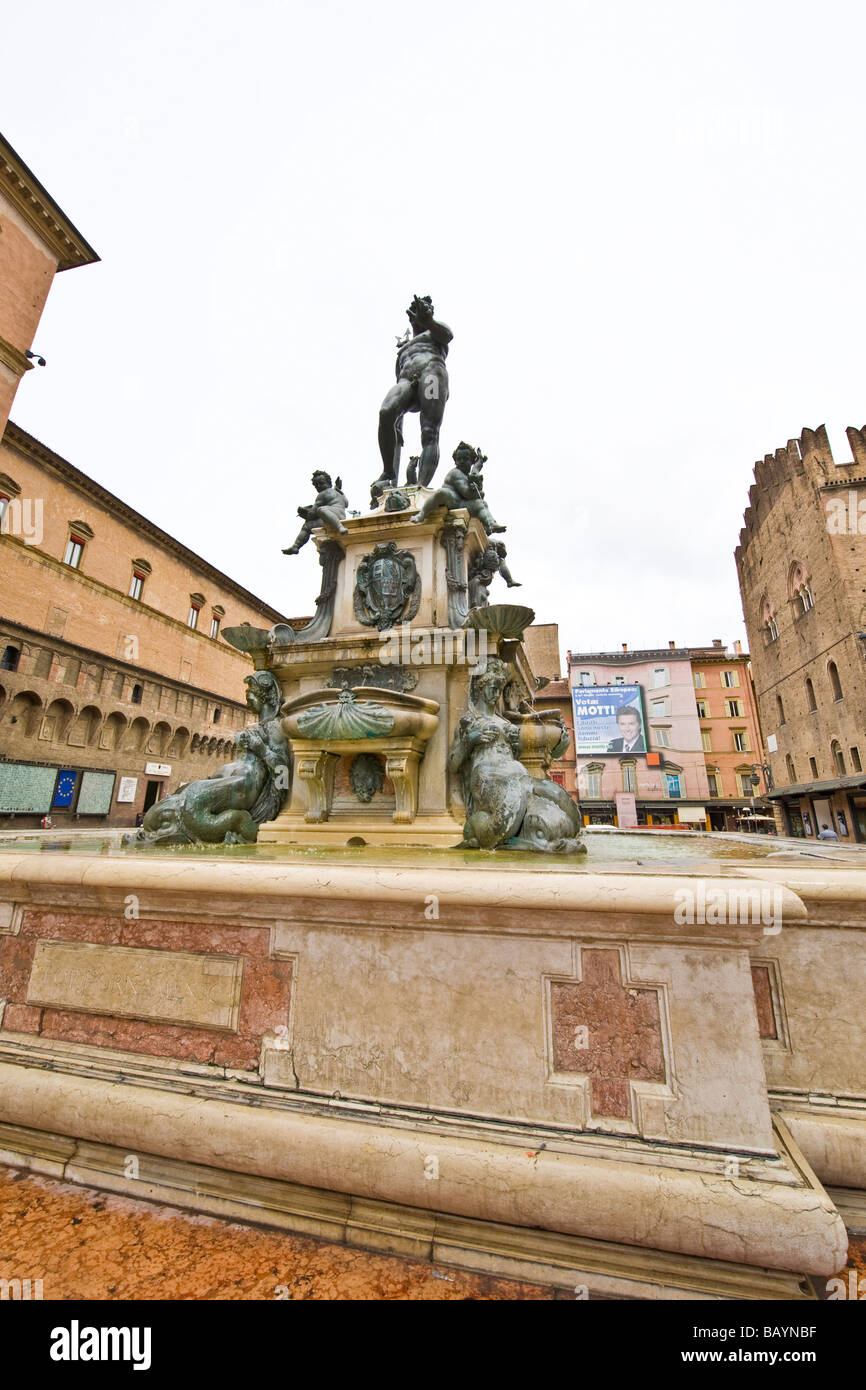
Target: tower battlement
[{"x": 811, "y": 457}]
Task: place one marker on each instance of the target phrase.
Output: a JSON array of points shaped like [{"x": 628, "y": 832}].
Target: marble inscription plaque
[{"x": 128, "y": 982}]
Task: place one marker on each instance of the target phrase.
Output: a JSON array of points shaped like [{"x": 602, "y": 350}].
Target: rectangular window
[
  {"x": 707, "y": 740},
  {"x": 745, "y": 783},
  {"x": 214, "y": 627},
  {"x": 192, "y": 616},
  {"x": 733, "y": 709},
  {"x": 741, "y": 740},
  {"x": 660, "y": 677},
  {"x": 587, "y": 678},
  {"x": 662, "y": 738},
  {"x": 136, "y": 584},
  {"x": 700, "y": 680},
  {"x": 713, "y": 782},
  {"x": 813, "y": 768},
  {"x": 628, "y": 782},
  {"x": 673, "y": 783},
  {"x": 730, "y": 678},
  {"x": 703, "y": 709},
  {"x": 659, "y": 708},
  {"x": 74, "y": 552},
  {"x": 855, "y": 759},
  {"x": 620, "y": 680},
  {"x": 4, "y": 503},
  {"x": 593, "y": 785}
]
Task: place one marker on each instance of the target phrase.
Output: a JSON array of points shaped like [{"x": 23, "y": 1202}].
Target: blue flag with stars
[{"x": 64, "y": 792}]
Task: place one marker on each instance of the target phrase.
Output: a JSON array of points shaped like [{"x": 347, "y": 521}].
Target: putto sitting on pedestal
[
  {"x": 328, "y": 510},
  {"x": 462, "y": 487}
]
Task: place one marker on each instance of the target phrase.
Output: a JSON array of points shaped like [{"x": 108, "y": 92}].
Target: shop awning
[{"x": 836, "y": 784}]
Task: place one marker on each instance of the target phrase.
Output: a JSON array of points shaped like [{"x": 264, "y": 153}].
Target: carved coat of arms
[{"x": 387, "y": 587}]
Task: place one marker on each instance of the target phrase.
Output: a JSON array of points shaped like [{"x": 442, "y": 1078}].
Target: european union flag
[{"x": 64, "y": 792}]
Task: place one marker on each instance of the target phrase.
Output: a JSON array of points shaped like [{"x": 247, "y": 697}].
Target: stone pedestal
[
  {"x": 426, "y": 656},
  {"x": 541, "y": 1069}
]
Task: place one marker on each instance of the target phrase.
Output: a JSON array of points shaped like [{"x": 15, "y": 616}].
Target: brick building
[
  {"x": 541, "y": 642},
  {"x": 731, "y": 738},
  {"x": 37, "y": 240},
  {"x": 801, "y": 564},
  {"x": 665, "y": 783},
  {"x": 113, "y": 672},
  {"x": 114, "y": 681},
  {"x": 703, "y": 764}
]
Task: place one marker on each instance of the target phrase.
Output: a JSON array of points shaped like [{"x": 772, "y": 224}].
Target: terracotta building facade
[
  {"x": 37, "y": 240},
  {"x": 541, "y": 642},
  {"x": 737, "y": 774},
  {"x": 702, "y": 766},
  {"x": 664, "y": 783},
  {"x": 801, "y": 564},
  {"x": 115, "y": 682},
  {"x": 114, "y": 677}
]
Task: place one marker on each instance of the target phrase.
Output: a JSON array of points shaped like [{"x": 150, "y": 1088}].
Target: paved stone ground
[
  {"x": 92, "y": 1245},
  {"x": 86, "y": 1244}
]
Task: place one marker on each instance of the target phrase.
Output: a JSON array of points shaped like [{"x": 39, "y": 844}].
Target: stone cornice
[
  {"x": 37, "y": 207},
  {"x": 40, "y": 454},
  {"x": 13, "y": 359},
  {"x": 61, "y": 644}
]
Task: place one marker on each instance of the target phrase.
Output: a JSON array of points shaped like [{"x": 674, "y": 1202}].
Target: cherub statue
[
  {"x": 461, "y": 489},
  {"x": 328, "y": 510},
  {"x": 229, "y": 806},
  {"x": 483, "y": 567}
]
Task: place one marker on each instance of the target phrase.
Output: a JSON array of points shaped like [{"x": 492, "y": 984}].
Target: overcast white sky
[{"x": 644, "y": 224}]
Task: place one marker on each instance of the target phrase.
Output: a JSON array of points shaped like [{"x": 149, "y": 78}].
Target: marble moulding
[{"x": 432, "y": 1065}]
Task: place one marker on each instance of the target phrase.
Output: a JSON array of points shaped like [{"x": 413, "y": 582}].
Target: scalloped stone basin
[{"x": 323, "y": 725}]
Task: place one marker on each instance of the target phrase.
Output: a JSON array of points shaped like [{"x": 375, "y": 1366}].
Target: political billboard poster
[{"x": 609, "y": 719}]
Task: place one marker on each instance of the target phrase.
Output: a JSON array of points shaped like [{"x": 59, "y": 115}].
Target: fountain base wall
[{"x": 541, "y": 1051}]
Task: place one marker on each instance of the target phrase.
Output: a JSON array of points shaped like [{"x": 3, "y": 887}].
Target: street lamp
[{"x": 768, "y": 776}]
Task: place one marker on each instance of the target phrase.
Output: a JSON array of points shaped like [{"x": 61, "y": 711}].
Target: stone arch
[
  {"x": 833, "y": 677},
  {"x": 769, "y": 625},
  {"x": 85, "y": 727},
  {"x": 113, "y": 730},
  {"x": 179, "y": 741},
  {"x": 158, "y": 741},
  {"x": 136, "y": 738},
  {"x": 25, "y": 711},
  {"x": 811, "y": 702},
  {"x": 57, "y": 721},
  {"x": 799, "y": 587},
  {"x": 837, "y": 758}
]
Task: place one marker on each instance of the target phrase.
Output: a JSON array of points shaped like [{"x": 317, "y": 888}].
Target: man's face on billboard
[{"x": 629, "y": 727}]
